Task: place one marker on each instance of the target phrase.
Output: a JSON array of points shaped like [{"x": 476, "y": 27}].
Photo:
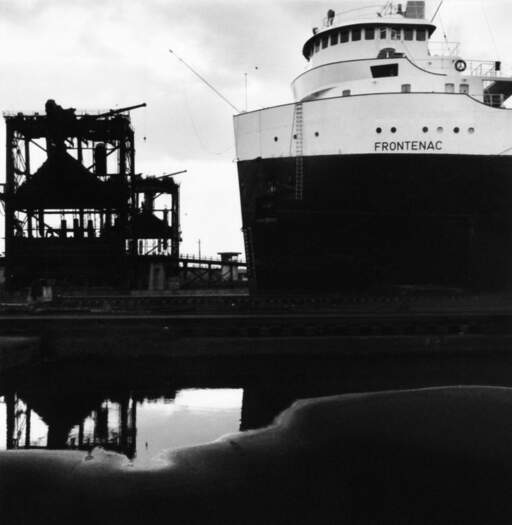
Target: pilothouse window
[
  {"x": 421, "y": 35},
  {"x": 408, "y": 34},
  {"x": 325, "y": 42},
  {"x": 369, "y": 34},
  {"x": 344, "y": 36},
  {"x": 334, "y": 38},
  {"x": 388, "y": 70},
  {"x": 356, "y": 35},
  {"x": 383, "y": 33},
  {"x": 396, "y": 33}
]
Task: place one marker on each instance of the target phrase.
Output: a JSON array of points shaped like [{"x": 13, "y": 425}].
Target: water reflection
[
  {"x": 142, "y": 407},
  {"x": 138, "y": 428},
  {"x": 112, "y": 425},
  {"x": 23, "y": 427}
]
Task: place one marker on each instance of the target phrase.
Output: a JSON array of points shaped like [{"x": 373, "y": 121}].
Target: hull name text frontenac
[{"x": 409, "y": 145}]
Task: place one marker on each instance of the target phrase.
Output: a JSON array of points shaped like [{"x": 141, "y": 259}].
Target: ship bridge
[
  {"x": 367, "y": 32},
  {"x": 370, "y": 50}
]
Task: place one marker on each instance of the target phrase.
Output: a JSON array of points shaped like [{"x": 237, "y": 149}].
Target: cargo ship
[{"x": 392, "y": 168}]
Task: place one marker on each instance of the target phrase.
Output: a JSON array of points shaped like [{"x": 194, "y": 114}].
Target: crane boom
[
  {"x": 167, "y": 175},
  {"x": 121, "y": 110}
]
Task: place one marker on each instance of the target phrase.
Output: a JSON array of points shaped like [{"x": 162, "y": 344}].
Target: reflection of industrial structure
[
  {"x": 120, "y": 437},
  {"x": 67, "y": 425},
  {"x": 84, "y": 217}
]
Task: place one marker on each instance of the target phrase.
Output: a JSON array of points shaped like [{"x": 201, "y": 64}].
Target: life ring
[{"x": 460, "y": 66}]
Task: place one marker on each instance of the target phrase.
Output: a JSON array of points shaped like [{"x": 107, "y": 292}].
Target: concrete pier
[{"x": 128, "y": 335}]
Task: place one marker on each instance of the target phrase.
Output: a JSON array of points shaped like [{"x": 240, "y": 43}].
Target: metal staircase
[{"x": 299, "y": 152}]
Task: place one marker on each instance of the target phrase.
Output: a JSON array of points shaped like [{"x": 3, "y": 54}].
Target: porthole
[
  {"x": 471, "y": 130},
  {"x": 379, "y": 130},
  {"x": 317, "y": 134},
  {"x": 456, "y": 130},
  {"x": 295, "y": 136},
  {"x": 425, "y": 129},
  {"x": 275, "y": 139},
  {"x": 393, "y": 130},
  {"x": 440, "y": 129}
]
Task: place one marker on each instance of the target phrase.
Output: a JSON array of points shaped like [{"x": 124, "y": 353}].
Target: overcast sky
[{"x": 99, "y": 54}]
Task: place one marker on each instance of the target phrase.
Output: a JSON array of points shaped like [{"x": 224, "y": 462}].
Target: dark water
[
  {"x": 142, "y": 408},
  {"x": 139, "y": 409}
]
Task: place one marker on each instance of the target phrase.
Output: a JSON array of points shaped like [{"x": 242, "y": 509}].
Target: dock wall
[{"x": 18, "y": 351}]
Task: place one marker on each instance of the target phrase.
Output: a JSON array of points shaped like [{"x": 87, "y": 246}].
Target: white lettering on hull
[{"x": 409, "y": 145}]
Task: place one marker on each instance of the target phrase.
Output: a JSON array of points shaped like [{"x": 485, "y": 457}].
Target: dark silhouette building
[{"x": 84, "y": 217}]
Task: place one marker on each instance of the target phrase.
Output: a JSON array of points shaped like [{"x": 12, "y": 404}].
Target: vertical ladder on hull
[
  {"x": 299, "y": 152},
  {"x": 249, "y": 253}
]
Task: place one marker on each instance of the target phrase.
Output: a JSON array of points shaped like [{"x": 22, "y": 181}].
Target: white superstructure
[{"x": 377, "y": 83}]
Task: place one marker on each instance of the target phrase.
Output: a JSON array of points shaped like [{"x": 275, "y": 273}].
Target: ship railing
[
  {"x": 484, "y": 68},
  {"x": 496, "y": 100},
  {"x": 350, "y": 15},
  {"x": 444, "y": 48},
  {"x": 24, "y": 114},
  {"x": 210, "y": 260},
  {"x": 38, "y": 113}
]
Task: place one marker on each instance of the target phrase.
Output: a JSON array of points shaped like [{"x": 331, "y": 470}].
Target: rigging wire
[
  {"x": 389, "y": 5},
  {"x": 213, "y": 88},
  {"x": 195, "y": 129},
  {"x": 445, "y": 35},
  {"x": 437, "y": 10},
  {"x": 490, "y": 29}
]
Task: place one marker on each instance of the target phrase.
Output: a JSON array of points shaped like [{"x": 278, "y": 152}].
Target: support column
[
  {"x": 81, "y": 435},
  {"x": 9, "y": 203},
  {"x": 41, "y": 224},
  {"x": 27, "y": 177},
  {"x": 28, "y": 426},
  {"x": 175, "y": 217},
  {"x": 131, "y": 451},
  {"x": 10, "y": 402},
  {"x": 123, "y": 424}
]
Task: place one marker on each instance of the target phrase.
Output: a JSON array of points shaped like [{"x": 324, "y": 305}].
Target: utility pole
[
  {"x": 199, "y": 246},
  {"x": 246, "y": 95}
]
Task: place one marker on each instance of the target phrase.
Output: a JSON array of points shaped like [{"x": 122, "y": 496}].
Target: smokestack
[{"x": 415, "y": 9}]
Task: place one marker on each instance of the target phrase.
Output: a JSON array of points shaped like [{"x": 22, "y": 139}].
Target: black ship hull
[{"x": 370, "y": 222}]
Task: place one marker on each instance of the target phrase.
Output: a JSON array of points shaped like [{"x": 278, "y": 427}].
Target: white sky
[{"x": 99, "y": 54}]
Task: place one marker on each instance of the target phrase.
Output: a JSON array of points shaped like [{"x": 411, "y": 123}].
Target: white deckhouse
[{"x": 377, "y": 83}]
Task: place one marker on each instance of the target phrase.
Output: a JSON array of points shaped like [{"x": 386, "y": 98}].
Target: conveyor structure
[{"x": 76, "y": 212}]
